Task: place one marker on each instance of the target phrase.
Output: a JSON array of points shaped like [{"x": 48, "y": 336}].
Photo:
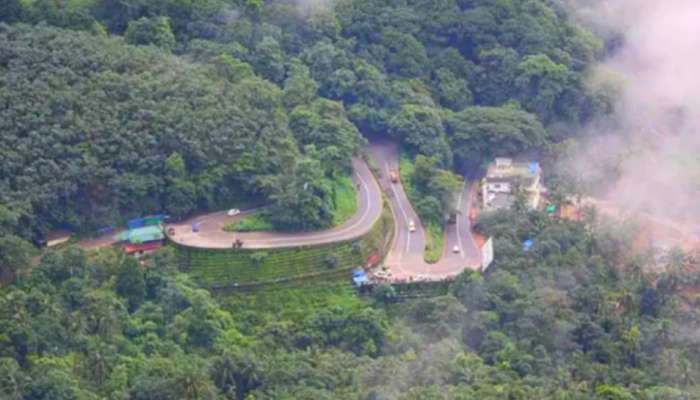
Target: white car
[
  {"x": 455, "y": 249},
  {"x": 233, "y": 211},
  {"x": 411, "y": 226}
]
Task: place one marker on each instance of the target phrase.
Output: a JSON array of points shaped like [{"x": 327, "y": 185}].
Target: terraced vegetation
[
  {"x": 228, "y": 268},
  {"x": 217, "y": 268}
]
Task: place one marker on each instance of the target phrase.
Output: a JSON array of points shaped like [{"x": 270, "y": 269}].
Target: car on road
[
  {"x": 411, "y": 226},
  {"x": 233, "y": 211},
  {"x": 394, "y": 176},
  {"x": 455, "y": 249}
]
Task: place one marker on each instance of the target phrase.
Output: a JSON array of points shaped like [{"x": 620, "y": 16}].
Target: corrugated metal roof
[{"x": 142, "y": 235}]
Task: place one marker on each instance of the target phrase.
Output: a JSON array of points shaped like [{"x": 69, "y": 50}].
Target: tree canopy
[
  {"x": 112, "y": 109},
  {"x": 573, "y": 317},
  {"x": 92, "y": 127},
  {"x": 477, "y": 134},
  {"x": 89, "y": 120}
]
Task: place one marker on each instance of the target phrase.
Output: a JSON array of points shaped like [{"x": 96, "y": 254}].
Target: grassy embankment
[
  {"x": 344, "y": 200},
  {"x": 434, "y": 231},
  {"x": 305, "y": 285},
  {"x": 271, "y": 305},
  {"x": 289, "y": 284},
  {"x": 221, "y": 269},
  {"x": 251, "y": 223}
]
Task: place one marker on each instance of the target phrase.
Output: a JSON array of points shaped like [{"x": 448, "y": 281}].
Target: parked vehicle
[{"x": 233, "y": 211}]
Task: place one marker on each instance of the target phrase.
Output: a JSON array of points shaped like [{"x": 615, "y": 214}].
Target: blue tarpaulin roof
[
  {"x": 359, "y": 277},
  {"x": 360, "y": 280},
  {"x": 534, "y": 167}
]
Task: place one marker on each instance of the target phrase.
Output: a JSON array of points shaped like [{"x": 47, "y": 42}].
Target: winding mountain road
[
  {"x": 460, "y": 234},
  {"x": 408, "y": 247},
  {"x": 405, "y": 258},
  {"x": 212, "y": 236}
]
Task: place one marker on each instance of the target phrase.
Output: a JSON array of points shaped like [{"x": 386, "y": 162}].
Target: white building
[{"x": 504, "y": 178}]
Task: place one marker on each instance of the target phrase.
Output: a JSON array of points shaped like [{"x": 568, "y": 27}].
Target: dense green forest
[
  {"x": 570, "y": 319},
  {"x": 95, "y": 127},
  {"x": 171, "y": 106},
  {"x": 115, "y": 108}
]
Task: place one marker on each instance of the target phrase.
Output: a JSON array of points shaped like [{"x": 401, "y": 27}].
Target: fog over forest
[{"x": 646, "y": 156}]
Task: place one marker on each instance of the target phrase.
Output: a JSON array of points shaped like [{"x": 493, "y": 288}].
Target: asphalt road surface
[
  {"x": 460, "y": 235},
  {"x": 212, "y": 236},
  {"x": 407, "y": 247},
  {"x": 405, "y": 259}
]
